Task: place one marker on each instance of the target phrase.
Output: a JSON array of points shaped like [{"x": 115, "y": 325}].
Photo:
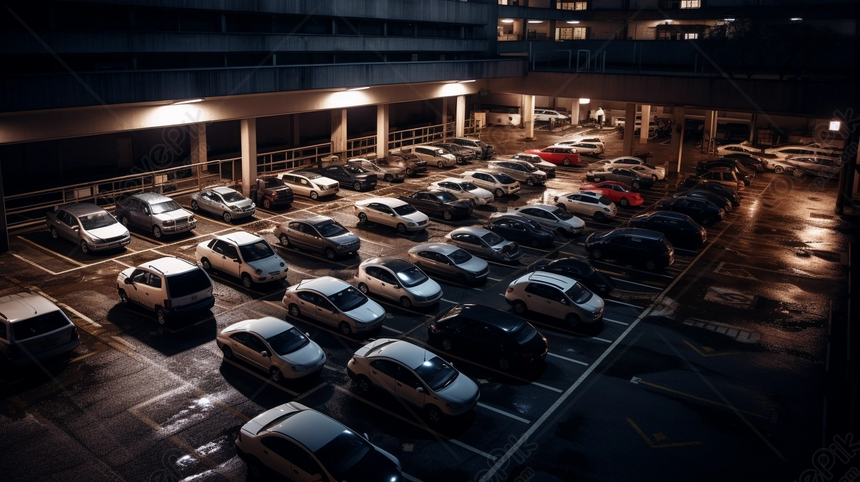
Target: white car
[
  {"x": 553, "y": 217},
  {"x": 536, "y": 161},
  {"x": 582, "y": 147},
  {"x": 463, "y": 189},
  {"x": 223, "y": 201},
  {"x": 391, "y": 212},
  {"x": 588, "y": 203},
  {"x": 310, "y": 184},
  {"x": 413, "y": 375},
  {"x": 87, "y": 225},
  {"x": 168, "y": 286},
  {"x": 545, "y": 115},
  {"x": 334, "y": 302},
  {"x": 742, "y": 148},
  {"x": 498, "y": 183},
  {"x": 783, "y": 152},
  {"x": 554, "y": 295},
  {"x": 274, "y": 345},
  {"x": 657, "y": 173},
  {"x": 435, "y": 156},
  {"x": 399, "y": 281},
  {"x": 33, "y": 329},
  {"x": 244, "y": 256}
]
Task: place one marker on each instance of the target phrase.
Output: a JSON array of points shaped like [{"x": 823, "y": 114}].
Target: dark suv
[
  {"x": 271, "y": 192},
  {"x": 632, "y": 246},
  {"x": 350, "y": 176},
  {"x": 743, "y": 173},
  {"x": 409, "y": 162}
]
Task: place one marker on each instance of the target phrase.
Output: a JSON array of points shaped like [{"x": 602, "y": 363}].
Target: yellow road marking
[
  {"x": 658, "y": 446},
  {"x": 708, "y": 351}
]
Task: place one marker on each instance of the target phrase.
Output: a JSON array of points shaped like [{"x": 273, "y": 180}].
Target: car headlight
[
  {"x": 299, "y": 368},
  {"x": 412, "y": 224},
  {"x": 235, "y": 208},
  {"x": 258, "y": 271}
]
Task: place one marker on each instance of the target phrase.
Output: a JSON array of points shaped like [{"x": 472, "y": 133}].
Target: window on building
[
  {"x": 572, "y": 5},
  {"x": 691, "y": 36},
  {"x": 571, "y": 33},
  {"x": 691, "y": 3}
]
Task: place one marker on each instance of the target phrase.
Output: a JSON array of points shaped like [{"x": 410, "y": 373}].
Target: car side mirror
[
  {"x": 396, "y": 286},
  {"x": 265, "y": 354},
  {"x": 419, "y": 389},
  {"x": 237, "y": 260},
  {"x": 127, "y": 281},
  {"x": 76, "y": 228}
]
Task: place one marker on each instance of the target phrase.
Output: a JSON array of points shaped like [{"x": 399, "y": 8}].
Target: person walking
[{"x": 600, "y": 115}]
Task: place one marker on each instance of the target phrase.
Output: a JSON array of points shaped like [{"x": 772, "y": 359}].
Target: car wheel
[
  {"x": 446, "y": 215},
  {"x": 597, "y": 254},
  {"x": 285, "y": 240},
  {"x": 363, "y": 383},
  {"x": 356, "y": 185},
  {"x": 156, "y": 232},
  {"x": 405, "y": 302},
  {"x": 778, "y": 169},
  {"x": 363, "y": 288},
  {"x": 530, "y": 181},
  {"x": 84, "y": 247},
  {"x": 294, "y": 310},
  {"x": 797, "y": 172},
  {"x": 561, "y": 206},
  {"x": 410, "y": 172},
  {"x": 707, "y": 222},
  {"x": 566, "y": 162},
  {"x": 434, "y": 416},
  {"x": 206, "y": 264},
  {"x": 572, "y": 320},
  {"x": 624, "y": 202},
  {"x": 519, "y": 307},
  {"x": 124, "y": 221},
  {"x": 401, "y": 228},
  {"x": 267, "y": 204},
  {"x": 388, "y": 178},
  {"x": 195, "y": 206},
  {"x": 255, "y": 468},
  {"x": 504, "y": 364},
  {"x": 650, "y": 265},
  {"x": 362, "y": 218},
  {"x": 344, "y": 328},
  {"x": 275, "y": 374},
  {"x": 597, "y": 178},
  {"x": 227, "y": 217},
  {"x": 228, "y": 353},
  {"x": 447, "y": 345},
  {"x": 160, "y": 315},
  {"x": 534, "y": 243},
  {"x": 440, "y": 164},
  {"x": 54, "y": 233},
  {"x": 246, "y": 280},
  {"x": 499, "y": 192},
  {"x": 329, "y": 253},
  {"x": 599, "y": 216},
  {"x": 635, "y": 184},
  {"x": 123, "y": 298},
  {"x": 314, "y": 195}
]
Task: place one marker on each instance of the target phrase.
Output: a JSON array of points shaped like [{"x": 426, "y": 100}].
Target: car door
[
  {"x": 304, "y": 467},
  {"x": 275, "y": 454},
  {"x": 382, "y": 214},
  {"x": 139, "y": 292},
  {"x": 546, "y": 300},
  {"x": 409, "y": 387},
  {"x": 383, "y": 374},
  {"x": 225, "y": 258},
  {"x": 510, "y": 229},
  {"x": 326, "y": 312},
  {"x": 474, "y": 336},
  {"x": 140, "y": 214},
  {"x": 372, "y": 279},
  {"x": 149, "y": 290},
  {"x": 256, "y": 346},
  {"x": 618, "y": 248},
  {"x": 67, "y": 226},
  {"x": 469, "y": 242},
  {"x": 308, "y": 301}
]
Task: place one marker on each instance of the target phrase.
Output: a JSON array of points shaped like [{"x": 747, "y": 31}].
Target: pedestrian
[{"x": 600, "y": 115}]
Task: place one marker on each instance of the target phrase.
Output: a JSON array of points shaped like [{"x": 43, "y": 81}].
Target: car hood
[
  {"x": 112, "y": 231},
  {"x": 461, "y": 390},
  {"x": 474, "y": 265},
  {"x": 427, "y": 289},
  {"x": 173, "y": 215},
  {"x": 244, "y": 203},
  {"x": 269, "y": 265},
  {"x": 308, "y": 355},
  {"x": 481, "y": 193},
  {"x": 416, "y": 217},
  {"x": 594, "y": 304},
  {"x": 574, "y": 222},
  {"x": 367, "y": 313}
]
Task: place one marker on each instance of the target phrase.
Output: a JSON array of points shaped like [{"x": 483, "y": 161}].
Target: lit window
[
  {"x": 572, "y": 5},
  {"x": 691, "y": 3},
  {"x": 568, "y": 33},
  {"x": 691, "y": 36}
]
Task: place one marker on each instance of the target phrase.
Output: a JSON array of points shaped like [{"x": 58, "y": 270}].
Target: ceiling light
[
  {"x": 835, "y": 125},
  {"x": 584, "y": 100},
  {"x": 535, "y": 21},
  {"x": 465, "y": 81},
  {"x": 189, "y": 101},
  {"x": 357, "y": 88},
  {"x": 573, "y": 21},
  {"x": 507, "y": 20},
  {"x": 729, "y": 20},
  {"x": 796, "y": 19}
]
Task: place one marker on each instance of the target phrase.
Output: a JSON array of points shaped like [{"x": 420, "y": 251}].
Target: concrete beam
[
  {"x": 4, "y": 228},
  {"x": 248, "y": 134},
  {"x": 645, "y": 129},
  {"x": 338, "y": 131},
  {"x": 382, "y": 130},
  {"x": 460, "y": 125},
  {"x": 528, "y": 103}
]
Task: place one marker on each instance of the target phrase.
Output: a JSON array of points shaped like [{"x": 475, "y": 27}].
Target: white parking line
[
  {"x": 79, "y": 315},
  {"x": 502, "y": 412},
  {"x": 616, "y": 321},
  {"x": 121, "y": 263},
  {"x": 622, "y": 303},
  {"x": 568, "y": 359},
  {"x": 39, "y": 292},
  {"x": 384, "y": 326},
  {"x": 409, "y": 477},
  {"x": 49, "y": 251},
  {"x": 448, "y": 301},
  {"x": 604, "y": 340},
  {"x": 34, "y": 264},
  {"x": 472, "y": 449},
  {"x": 658, "y": 288},
  {"x": 552, "y": 389},
  {"x": 494, "y": 279}
]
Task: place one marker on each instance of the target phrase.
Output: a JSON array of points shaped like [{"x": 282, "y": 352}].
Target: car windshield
[
  {"x": 97, "y": 220},
  {"x": 649, "y": 166},
  {"x": 256, "y": 251},
  {"x": 411, "y": 276},
  {"x": 274, "y": 182},
  {"x": 579, "y": 294},
  {"x": 460, "y": 256},
  {"x": 446, "y": 197},
  {"x": 39, "y": 325},
  {"x": 562, "y": 214},
  {"x": 331, "y": 228},
  {"x": 348, "y": 299},
  {"x": 405, "y": 209},
  {"x": 436, "y": 373},
  {"x": 165, "y": 207},
  {"x": 523, "y": 332},
  {"x": 468, "y": 186},
  {"x": 492, "y": 238},
  {"x": 505, "y": 179},
  {"x": 311, "y": 175},
  {"x": 529, "y": 167},
  {"x": 232, "y": 197},
  {"x": 287, "y": 341},
  {"x": 343, "y": 453}
]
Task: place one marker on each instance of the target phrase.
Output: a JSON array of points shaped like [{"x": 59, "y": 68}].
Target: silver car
[
  {"x": 588, "y": 203},
  {"x": 224, "y": 202},
  {"x": 434, "y": 156},
  {"x": 451, "y": 261},
  {"x": 536, "y": 161},
  {"x": 554, "y": 295},
  {"x": 155, "y": 213},
  {"x": 310, "y": 184},
  {"x": 485, "y": 243},
  {"x": 519, "y": 170},
  {"x": 33, "y": 329},
  {"x": 498, "y": 183},
  {"x": 552, "y": 217},
  {"x": 87, "y": 225},
  {"x": 399, "y": 281},
  {"x": 318, "y": 233},
  {"x": 386, "y": 173},
  {"x": 336, "y": 303},
  {"x": 391, "y": 212},
  {"x": 243, "y": 255},
  {"x": 463, "y": 189},
  {"x": 274, "y": 345}
]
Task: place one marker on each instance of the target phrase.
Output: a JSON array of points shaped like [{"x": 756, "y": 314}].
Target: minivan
[
  {"x": 32, "y": 329},
  {"x": 632, "y": 246},
  {"x": 168, "y": 286}
]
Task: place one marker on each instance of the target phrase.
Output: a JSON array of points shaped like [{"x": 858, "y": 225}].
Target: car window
[
  {"x": 165, "y": 207},
  {"x": 139, "y": 276},
  {"x": 309, "y": 297},
  {"x": 538, "y": 289},
  {"x": 387, "y": 277},
  {"x": 190, "y": 282},
  {"x": 459, "y": 256},
  {"x": 39, "y": 325},
  {"x": 256, "y": 251},
  {"x": 405, "y": 209},
  {"x": 256, "y": 343},
  {"x": 436, "y": 373},
  {"x": 287, "y": 341},
  {"x": 348, "y": 299},
  {"x": 387, "y": 367},
  {"x": 411, "y": 276},
  {"x": 466, "y": 238},
  {"x": 241, "y": 337},
  {"x": 279, "y": 446},
  {"x": 154, "y": 280}
]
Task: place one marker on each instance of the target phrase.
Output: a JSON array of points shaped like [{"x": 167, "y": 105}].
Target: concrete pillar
[
  {"x": 848, "y": 183},
  {"x": 4, "y": 227},
  {"x": 338, "y": 132},
  {"x": 574, "y": 112},
  {"x": 445, "y": 119},
  {"x": 248, "y": 136},
  {"x": 677, "y": 144},
  {"x": 529, "y": 116},
  {"x": 382, "y": 130},
  {"x": 629, "y": 124},
  {"x": 199, "y": 149},
  {"x": 460, "y": 120},
  {"x": 753, "y": 120},
  {"x": 646, "y": 124},
  {"x": 294, "y": 120},
  {"x": 710, "y": 130}
]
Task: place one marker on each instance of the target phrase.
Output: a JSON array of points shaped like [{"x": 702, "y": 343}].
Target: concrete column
[
  {"x": 460, "y": 120},
  {"x": 382, "y": 130},
  {"x": 445, "y": 119},
  {"x": 710, "y": 130},
  {"x": 294, "y": 120},
  {"x": 629, "y": 124},
  {"x": 199, "y": 149},
  {"x": 529, "y": 116},
  {"x": 248, "y": 136},
  {"x": 753, "y": 120},
  {"x": 646, "y": 124},
  {"x": 4, "y": 227},
  {"x": 338, "y": 132},
  {"x": 848, "y": 183},
  {"x": 677, "y": 144},
  {"x": 574, "y": 112}
]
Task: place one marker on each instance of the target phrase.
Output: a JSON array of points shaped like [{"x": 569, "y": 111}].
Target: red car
[
  {"x": 617, "y": 191},
  {"x": 557, "y": 155}
]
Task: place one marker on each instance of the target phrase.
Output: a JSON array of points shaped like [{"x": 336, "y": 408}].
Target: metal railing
[
  {"x": 361, "y": 146},
  {"x": 285, "y": 159}
]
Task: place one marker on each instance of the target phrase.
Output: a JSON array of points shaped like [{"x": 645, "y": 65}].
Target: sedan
[
  {"x": 351, "y": 176},
  {"x": 536, "y": 161},
  {"x": 296, "y": 442},
  {"x": 155, "y": 213},
  {"x": 463, "y": 189},
  {"x": 415, "y": 376},
  {"x": 647, "y": 170},
  {"x": 703, "y": 211},
  {"x": 318, "y": 233},
  {"x": 627, "y": 176},
  {"x": 224, "y": 202},
  {"x": 450, "y": 261},
  {"x": 616, "y": 191},
  {"x": 485, "y": 243},
  {"x": 87, "y": 225},
  {"x": 336, "y": 303},
  {"x": 580, "y": 270},
  {"x": 720, "y": 201},
  {"x": 566, "y": 156},
  {"x": 583, "y": 147},
  {"x": 243, "y": 255},
  {"x": 752, "y": 162},
  {"x": 551, "y": 217},
  {"x": 588, "y": 203},
  {"x": 391, "y": 212},
  {"x": 745, "y": 174},
  {"x": 439, "y": 203},
  {"x": 273, "y": 345},
  {"x": 717, "y": 188},
  {"x": 522, "y": 230},
  {"x": 399, "y": 281},
  {"x": 387, "y": 173},
  {"x": 681, "y": 230}
]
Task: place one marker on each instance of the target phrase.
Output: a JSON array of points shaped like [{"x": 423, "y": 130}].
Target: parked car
[
  {"x": 499, "y": 183},
  {"x": 155, "y": 213},
  {"x": 519, "y": 171},
  {"x": 715, "y": 198},
  {"x": 537, "y": 162},
  {"x": 271, "y": 192},
  {"x": 485, "y": 243},
  {"x": 222, "y": 201},
  {"x": 593, "y": 140},
  {"x": 723, "y": 175},
  {"x": 551, "y": 217},
  {"x": 386, "y": 172},
  {"x": 242, "y": 255},
  {"x": 522, "y": 230},
  {"x": 616, "y": 191},
  {"x": 556, "y": 296},
  {"x": 679, "y": 228},
  {"x": 566, "y": 156},
  {"x": 463, "y": 190},
  {"x": 546, "y": 115},
  {"x": 33, "y": 329},
  {"x": 311, "y": 184},
  {"x": 625, "y": 175},
  {"x": 273, "y": 345},
  {"x": 742, "y": 148},
  {"x": 752, "y": 162},
  {"x": 168, "y": 286},
  {"x": 439, "y": 203},
  {"x": 818, "y": 165},
  {"x": 486, "y": 149},
  {"x": 434, "y": 156},
  {"x": 391, "y": 212},
  {"x": 582, "y": 147},
  {"x": 410, "y": 163},
  {"x": 292, "y": 441},
  {"x": 468, "y": 152},
  {"x": 351, "y": 176},
  {"x": 587, "y": 203},
  {"x": 700, "y": 209},
  {"x": 336, "y": 303},
  {"x": 782, "y": 152},
  {"x": 460, "y": 153},
  {"x": 743, "y": 173},
  {"x": 450, "y": 261},
  {"x": 318, "y": 233},
  {"x": 484, "y": 333},
  {"x": 415, "y": 376},
  {"x": 87, "y": 225},
  {"x": 397, "y": 280},
  {"x": 643, "y": 247},
  {"x": 648, "y": 170},
  {"x": 718, "y": 188},
  {"x": 580, "y": 270},
  {"x": 657, "y": 173}
]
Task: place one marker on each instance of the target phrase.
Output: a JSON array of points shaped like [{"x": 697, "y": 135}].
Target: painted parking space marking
[
  {"x": 409, "y": 477},
  {"x": 50, "y": 251},
  {"x": 616, "y": 322},
  {"x": 567, "y": 359},
  {"x": 644, "y": 285},
  {"x": 34, "y": 264},
  {"x": 658, "y": 436},
  {"x": 502, "y": 412},
  {"x": 700, "y": 399},
  {"x": 79, "y": 315},
  {"x": 608, "y": 300}
]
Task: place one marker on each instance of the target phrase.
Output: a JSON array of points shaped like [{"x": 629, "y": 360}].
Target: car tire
[
  {"x": 206, "y": 264},
  {"x": 534, "y": 243},
  {"x": 440, "y": 164},
  {"x": 246, "y": 281},
  {"x": 227, "y": 217},
  {"x": 504, "y": 364},
  {"x": 562, "y": 206},
  {"x": 410, "y": 172},
  {"x": 460, "y": 278},
  {"x": 650, "y": 265},
  {"x": 599, "y": 216},
  {"x": 405, "y": 302},
  {"x": 447, "y": 344},
  {"x": 778, "y": 169},
  {"x": 227, "y": 352},
  {"x": 344, "y": 328},
  {"x": 597, "y": 178},
  {"x": 572, "y": 320},
  {"x": 285, "y": 240},
  {"x": 530, "y": 181},
  {"x": 329, "y": 253},
  {"x": 363, "y": 383},
  {"x": 314, "y": 195},
  {"x": 597, "y": 254},
  {"x": 567, "y": 162},
  {"x": 363, "y": 288},
  {"x": 124, "y": 221},
  {"x": 519, "y": 307},
  {"x": 388, "y": 178},
  {"x": 195, "y": 206},
  {"x": 362, "y": 218},
  {"x": 433, "y": 414},
  {"x": 294, "y": 311},
  {"x": 624, "y": 202},
  {"x": 708, "y": 222},
  {"x": 401, "y": 228},
  {"x": 156, "y": 232},
  {"x": 356, "y": 186},
  {"x": 255, "y": 468},
  {"x": 123, "y": 297},
  {"x": 267, "y": 204},
  {"x": 160, "y": 315},
  {"x": 796, "y": 172},
  {"x": 275, "y": 374},
  {"x": 446, "y": 215},
  {"x": 635, "y": 184},
  {"x": 54, "y": 233},
  {"x": 499, "y": 192},
  {"x": 84, "y": 248}
]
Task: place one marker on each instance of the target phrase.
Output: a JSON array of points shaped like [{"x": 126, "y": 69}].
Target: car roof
[
  {"x": 403, "y": 351},
  {"x": 390, "y": 262},
  {"x": 170, "y": 265},
  {"x": 223, "y": 189},
  {"x": 326, "y": 285},
  {"x": 151, "y": 197},
  {"x": 24, "y": 305},
  {"x": 452, "y": 179},
  {"x": 561, "y": 282},
  {"x": 266, "y": 327},
  {"x": 314, "y": 220},
  {"x": 388, "y": 201},
  {"x": 442, "y": 248},
  {"x": 547, "y": 207},
  {"x": 491, "y": 316},
  {"x": 81, "y": 209},
  {"x": 309, "y": 427},
  {"x": 476, "y": 230},
  {"x": 642, "y": 233},
  {"x": 240, "y": 237}
]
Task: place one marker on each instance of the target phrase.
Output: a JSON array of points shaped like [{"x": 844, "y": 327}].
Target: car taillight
[
  {"x": 434, "y": 329},
  {"x": 510, "y": 290},
  {"x": 168, "y": 304}
]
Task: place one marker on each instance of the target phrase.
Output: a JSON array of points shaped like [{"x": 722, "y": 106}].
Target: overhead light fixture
[
  {"x": 357, "y": 88},
  {"x": 835, "y": 125},
  {"x": 729, "y": 20},
  {"x": 535, "y": 21},
  {"x": 796, "y": 19},
  {"x": 573, "y": 21},
  {"x": 668, "y": 20},
  {"x": 466, "y": 81},
  {"x": 584, "y": 100},
  {"x": 189, "y": 101},
  {"x": 507, "y": 20}
]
